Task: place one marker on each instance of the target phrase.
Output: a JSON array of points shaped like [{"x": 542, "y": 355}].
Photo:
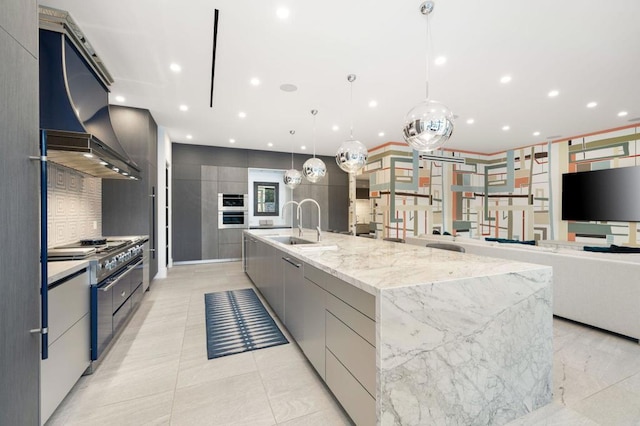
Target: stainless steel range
[{"x": 116, "y": 279}]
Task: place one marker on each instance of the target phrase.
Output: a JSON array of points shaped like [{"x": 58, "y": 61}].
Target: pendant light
[
  {"x": 429, "y": 124},
  {"x": 352, "y": 154},
  {"x": 292, "y": 177},
  {"x": 314, "y": 168}
]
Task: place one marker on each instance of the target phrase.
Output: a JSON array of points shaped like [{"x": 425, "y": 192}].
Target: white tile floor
[{"x": 157, "y": 372}]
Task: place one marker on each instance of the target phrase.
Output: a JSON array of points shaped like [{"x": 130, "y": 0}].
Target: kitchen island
[{"x": 411, "y": 335}]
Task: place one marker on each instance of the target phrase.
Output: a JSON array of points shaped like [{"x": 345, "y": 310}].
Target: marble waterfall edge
[{"x": 466, "y": 351}]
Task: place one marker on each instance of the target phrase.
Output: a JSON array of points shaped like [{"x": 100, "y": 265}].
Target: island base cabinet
[
  {"x": 356, "y": 401},
  {"x": 313, "y": 339},
  {"x": 352, "y": 351}
]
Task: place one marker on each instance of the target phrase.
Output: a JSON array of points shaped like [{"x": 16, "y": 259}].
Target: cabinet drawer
[
  {"x": 68, "y": 359},
  {"x": 121, "y": 291},
  {"x": 356, "y": 401},
  {"x": 353, "y": 318},
  {"x": 68, "y": 302},
  {"x": 121, "y": 315},
  {"x": 359, "y": 299},
  {"x": 136, "y": 296},
  {"x": 356, "y": 354}
]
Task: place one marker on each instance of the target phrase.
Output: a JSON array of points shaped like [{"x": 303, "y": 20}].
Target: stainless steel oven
[
  {"x": 233, "y": 202},
  {"x": 233, "y": 219}
]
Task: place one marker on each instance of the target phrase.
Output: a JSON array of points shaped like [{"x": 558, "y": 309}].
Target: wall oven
[
  {"x": 232, "y": 202},
  {"x": 233, "y": 219}
]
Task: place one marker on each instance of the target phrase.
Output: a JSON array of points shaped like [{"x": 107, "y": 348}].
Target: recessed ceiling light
[
  {"x": 282, "y": 13},
  {"x": 381, "y": 134},
  {"x": 255, "y": 82},
  {"x": 440, "y": 60},
  {"x": 505, "y": 79},
  {"x": 242, "y": 114},
  {"x": 189, "y": 137},
  {"x": 553, "y": 93},
  {"x": 175, "y": 67},
  {"x": 287, "y": 87},
  {"x": 132, "y": 177},
  {"x": 125, "y": 174},
  {"x": 303, "y": 147},
  {"x": 104, "y": 163},
  {"x": 471, "y": 121},
  {"x": 622, "y": 113},
  {"x": 120, "y": 98},
  {"x": 115, "y": 169},
  {"x": 373, "y": 104},
  {"x": 505, "y": 128},
  {"x": 592, "y": 104},
  {"x": 232, "y": 141},
  {"x": 536, "y": 133},
  {"x": 88, "y": 155},
  {"x": 269, "y": 144},
  {"x": 335, "y": 128},
  {"x": 184, "y": 108}
]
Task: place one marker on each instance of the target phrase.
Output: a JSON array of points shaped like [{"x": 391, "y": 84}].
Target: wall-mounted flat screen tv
[{"x": 610, "y": 195}]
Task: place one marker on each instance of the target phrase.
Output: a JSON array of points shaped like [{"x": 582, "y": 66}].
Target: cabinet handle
[
  {"x": 112, "y": 283},
  {"x": 288, "y": 260}
]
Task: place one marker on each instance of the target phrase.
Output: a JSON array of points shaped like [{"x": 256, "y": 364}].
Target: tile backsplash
[{"x": 74, "y": 206}]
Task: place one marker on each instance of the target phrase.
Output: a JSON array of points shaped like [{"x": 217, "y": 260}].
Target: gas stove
[{"x": 107, "y": 255}]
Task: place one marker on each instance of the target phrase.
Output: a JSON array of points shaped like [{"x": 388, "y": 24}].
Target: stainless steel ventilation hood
[{"x": 74, "y": 102}]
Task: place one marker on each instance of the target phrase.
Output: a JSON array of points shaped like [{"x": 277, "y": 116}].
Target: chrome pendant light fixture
[
  {"x": 292, "y": 177},
  {"x": 314, "y": 168},
  {"x": 429, "y": 124},
  {"x": 352, "y": 154}
]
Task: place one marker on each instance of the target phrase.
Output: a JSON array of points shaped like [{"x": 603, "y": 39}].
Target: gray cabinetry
[
  {"x": 137, "y": 200},
  {"x": 19, "y": 263},
  {"x": 293, "y": 296},
  {"x": 332, "y": 322},
  {"x": 313, "y": 338}
]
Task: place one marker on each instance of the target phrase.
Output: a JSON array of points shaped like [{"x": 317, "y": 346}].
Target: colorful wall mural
[{"x": 514, "y": 194}]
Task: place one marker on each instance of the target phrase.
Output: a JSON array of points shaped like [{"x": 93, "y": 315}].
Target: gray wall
[
  {"x": 19, "y": 264},
  {"x": 127, "y": 205},
  {"x": 201, "y": 172}
]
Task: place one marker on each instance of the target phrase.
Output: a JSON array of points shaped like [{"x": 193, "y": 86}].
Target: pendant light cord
[
  {"x": 314, "y": 133},
  {"x": 351, "y": 108},
  {"x": 429, "y": 48},
  {"x": 292, "y": 132}
]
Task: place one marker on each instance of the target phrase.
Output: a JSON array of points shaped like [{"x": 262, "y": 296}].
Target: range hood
[{"x": 74, "y": 102}]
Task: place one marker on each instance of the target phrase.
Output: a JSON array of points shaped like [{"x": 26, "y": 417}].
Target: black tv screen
[{"x": 610, "y": 195}]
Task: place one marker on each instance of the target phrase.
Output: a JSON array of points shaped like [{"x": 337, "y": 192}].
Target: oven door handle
[{"x": 114, "y": 282}]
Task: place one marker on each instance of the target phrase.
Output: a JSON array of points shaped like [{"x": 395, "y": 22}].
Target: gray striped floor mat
[{"x": 237, "y": 322}]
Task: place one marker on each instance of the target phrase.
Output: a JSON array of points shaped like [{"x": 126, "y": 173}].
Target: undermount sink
[{"x": 285, "y": 239}]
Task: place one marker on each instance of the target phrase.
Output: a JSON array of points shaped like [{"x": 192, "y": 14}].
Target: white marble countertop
[
  {"x": 565, "y": 250},
  {"x": 58, "y": 270},
  {"x": 376, "y": 265}
]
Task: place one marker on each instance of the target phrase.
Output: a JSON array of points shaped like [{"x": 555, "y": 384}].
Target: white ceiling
[{"x": 588, "y": 50}]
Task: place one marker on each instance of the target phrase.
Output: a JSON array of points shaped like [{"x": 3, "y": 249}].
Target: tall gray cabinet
[
  {"x": 19, "y": 262},
  {"x": 130, "y": 207}
]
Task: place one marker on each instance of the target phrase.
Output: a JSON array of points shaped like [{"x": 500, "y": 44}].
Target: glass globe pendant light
[
  {"x": 352, "y": 154},
  {"x": 428, "y": 125},
  {"x": 314, "y": 168},
  {"x": 292, "y": 177}
]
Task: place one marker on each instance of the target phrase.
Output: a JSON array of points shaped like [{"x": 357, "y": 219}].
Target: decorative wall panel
[
  {"x": 75, "y": 206},
  {"x": 505, "y": 195}
]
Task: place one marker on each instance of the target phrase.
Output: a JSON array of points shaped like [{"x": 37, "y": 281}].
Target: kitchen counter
[
  {"x": 459, "y": 338},
  {"x": 61, "y": 269}
]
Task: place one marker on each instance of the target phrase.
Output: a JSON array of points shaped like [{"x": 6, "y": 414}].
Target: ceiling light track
[{"x": 216, "y": 14}]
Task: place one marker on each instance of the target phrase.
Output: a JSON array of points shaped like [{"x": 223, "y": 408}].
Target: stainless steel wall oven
[
  {"x": 233, "y": 202},
  {"x": 233, "y": 219}
]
